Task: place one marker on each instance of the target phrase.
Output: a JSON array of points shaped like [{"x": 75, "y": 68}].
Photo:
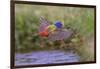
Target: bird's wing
[
  {"x": 43, "y": 24},
  {"x": 60, "y": 35}
]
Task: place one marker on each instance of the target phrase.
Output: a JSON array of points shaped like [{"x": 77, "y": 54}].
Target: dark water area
[{"x": 45, "y": 57}]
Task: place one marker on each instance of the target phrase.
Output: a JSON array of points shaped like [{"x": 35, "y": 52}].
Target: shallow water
[{"x": 45, "y": 57}]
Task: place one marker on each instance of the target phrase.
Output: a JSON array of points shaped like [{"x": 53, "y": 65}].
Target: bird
[{"x": 55, "y": 31}]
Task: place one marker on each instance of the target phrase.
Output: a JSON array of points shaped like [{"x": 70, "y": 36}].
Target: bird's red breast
[{"x": 44, "y": 33}]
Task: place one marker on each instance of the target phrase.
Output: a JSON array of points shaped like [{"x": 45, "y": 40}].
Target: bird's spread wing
[
  {"x": 60, "y": 35},
  {"x": 43, "y": 24}
]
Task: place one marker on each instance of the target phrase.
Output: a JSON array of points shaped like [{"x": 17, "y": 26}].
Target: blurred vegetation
[{"x": 80, "y": 20}]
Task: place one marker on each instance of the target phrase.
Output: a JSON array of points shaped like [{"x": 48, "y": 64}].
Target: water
[{"x": 45, "y": 57}]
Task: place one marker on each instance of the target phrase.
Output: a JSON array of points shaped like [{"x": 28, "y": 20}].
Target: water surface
[{"x": 45, "y": 57}]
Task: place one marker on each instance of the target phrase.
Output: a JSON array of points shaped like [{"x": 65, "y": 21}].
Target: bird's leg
[
  {"x": 42, "y": 43},
  {"x": 51, "y": 44},
  {"x": 62, "y": 44}
]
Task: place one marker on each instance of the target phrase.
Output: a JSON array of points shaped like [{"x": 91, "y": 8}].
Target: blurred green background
[{"x": 79, "y": 19}]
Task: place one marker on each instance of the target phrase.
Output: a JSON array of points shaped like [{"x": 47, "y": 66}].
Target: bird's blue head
[{"x": 58, "y": 24}]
